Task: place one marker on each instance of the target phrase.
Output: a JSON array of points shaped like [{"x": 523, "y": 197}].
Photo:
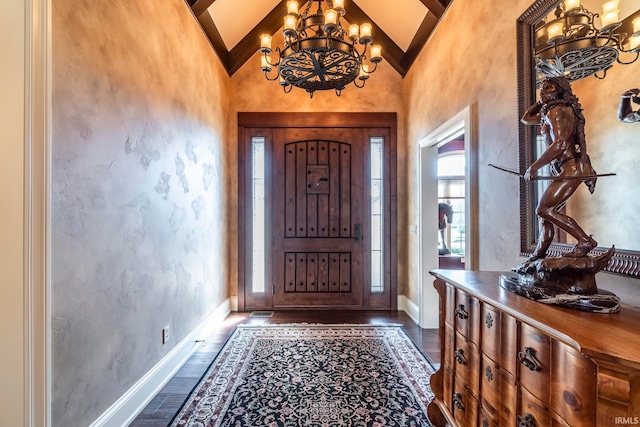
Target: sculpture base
[
  {"x": 600, "y": 302},
  {"x": 564, "y": 274}
]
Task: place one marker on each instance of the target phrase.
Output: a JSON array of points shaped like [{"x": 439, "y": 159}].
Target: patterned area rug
[{"x": 312, "y": 376}]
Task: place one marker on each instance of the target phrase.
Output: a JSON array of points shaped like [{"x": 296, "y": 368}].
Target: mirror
[{"x": 610, "y": 214}]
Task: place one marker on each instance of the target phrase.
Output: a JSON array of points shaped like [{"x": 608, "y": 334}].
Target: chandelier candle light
[
  {"x": 571, "y": 45},
  {"x": 318, "y": 53}
]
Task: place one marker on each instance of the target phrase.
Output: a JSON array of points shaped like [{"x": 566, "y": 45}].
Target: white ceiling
[
  {"x": 234, "y": 21},
  {"x": 399, "y": 19}
]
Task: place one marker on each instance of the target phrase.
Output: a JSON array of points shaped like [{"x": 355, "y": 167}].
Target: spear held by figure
[{"x": 550, "y": 177}]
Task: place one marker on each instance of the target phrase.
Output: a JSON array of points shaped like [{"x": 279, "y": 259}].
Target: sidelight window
[
  {"x": 377, "y": 218},
  {"x": 259, "y": 213}
]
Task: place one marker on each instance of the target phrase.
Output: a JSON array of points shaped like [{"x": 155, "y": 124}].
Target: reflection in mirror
[
  {"x": 610, "y": 213},
  {"x": 581, "y": 38}
]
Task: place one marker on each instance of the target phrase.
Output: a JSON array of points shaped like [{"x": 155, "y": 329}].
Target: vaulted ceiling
[{"x": 401, "y": 27}]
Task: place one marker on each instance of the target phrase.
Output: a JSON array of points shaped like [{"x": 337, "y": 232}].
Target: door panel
[
  {"x": 317, "y": 189},
  {"x": 318, "y": 177},
  {"x": 311, "y": 245}
]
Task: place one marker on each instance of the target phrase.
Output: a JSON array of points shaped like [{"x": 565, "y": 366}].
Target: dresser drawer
[
  {"x": 490, "y": 374},
  {"x": 464, "y": 405},
  {"x": 448, "y": 346},
  {"x": 486, "y": 420},
  {"x": 508, "y": 397},
  {"x": 534, "y": 362},
  {"x": 449, "y": 307},
  {"x": 462, "y": 313},
  {"x": 466, "y": 316},
  {"x": 447, "y": 388},
  {"x": 466, "y": 363},
  {"x": 531, "y": 411},
  {"x": 490, "y": 332},
  {"x": 461, "y": 358},
  {"x": 499, "y": 392},
  {"x": 509, "y": 347},
  {"x": 499, "y": 334},
  {"x": 573, "y": 385}
]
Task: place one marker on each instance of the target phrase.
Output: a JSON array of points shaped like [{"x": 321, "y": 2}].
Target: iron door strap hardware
[
  {"x": 528, "y": 359},
  {"x": 461, "y": 312},
  {"x": 356, "y": 233},
  {"x": 457, "y": 400},
  {"x": 459, "y": 356},
  {"x": 526, "y": 420}
]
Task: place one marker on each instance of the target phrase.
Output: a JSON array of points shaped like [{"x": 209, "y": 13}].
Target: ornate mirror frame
[{"x": 625, "y": 261}]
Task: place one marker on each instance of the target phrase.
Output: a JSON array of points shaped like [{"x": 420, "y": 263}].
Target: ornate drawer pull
[
  {"x": 488, "y": 320},
  {"x": 488, "y": 373},
  {"x": 461, "y": 312},
  {"x": 485, "y": 423},
  {"x": 528, "y": 359},
  {"x": 457, "y": 400},
  {"x": 526, "y": 421},
  {"x": 459, "y": 356}
]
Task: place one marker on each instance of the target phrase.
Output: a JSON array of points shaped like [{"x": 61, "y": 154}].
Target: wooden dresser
[{"x": 509, "y": 361}]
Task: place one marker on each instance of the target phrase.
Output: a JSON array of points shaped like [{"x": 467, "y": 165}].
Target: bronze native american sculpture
[{"x": 567, "y": 280}]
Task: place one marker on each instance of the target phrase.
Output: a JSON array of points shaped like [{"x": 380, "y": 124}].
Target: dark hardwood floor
[{"x": 167, "y": 402}]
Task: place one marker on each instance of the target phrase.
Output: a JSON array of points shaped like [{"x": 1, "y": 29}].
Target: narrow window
[
  {"x": 377, "y": 218},
  {"x": 259, "y": 210},
  {"x": 451, "y": 201}
]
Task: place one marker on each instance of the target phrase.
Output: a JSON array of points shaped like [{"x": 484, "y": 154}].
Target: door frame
[
  {"x": 253, "y": 124},
  {"x": 462, "y": 123},
  {"x": 36, "y": 283}
]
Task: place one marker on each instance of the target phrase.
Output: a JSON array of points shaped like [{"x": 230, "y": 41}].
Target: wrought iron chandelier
[
  {"x": 318, "y": 53},
  {"x": 571, "y": 45}
]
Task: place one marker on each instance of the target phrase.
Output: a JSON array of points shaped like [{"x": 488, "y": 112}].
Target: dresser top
[{"x": 611, "y": 337}]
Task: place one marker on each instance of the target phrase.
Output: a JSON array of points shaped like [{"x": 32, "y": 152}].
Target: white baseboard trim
[
  {"x": 233, "y": 303},
  {"x": 125, "y": 409},
  {"x": 409, "y": 307}
]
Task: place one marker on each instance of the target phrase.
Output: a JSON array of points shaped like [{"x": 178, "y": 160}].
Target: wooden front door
[
  {"x": 307, "y": 211},
  {"x": 318, "y": 212}
]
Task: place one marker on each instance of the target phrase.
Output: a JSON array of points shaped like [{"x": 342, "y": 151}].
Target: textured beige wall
[
  {"x": 12, "y": 146},
  {"x": 139, "y": 194},
  {"x": 611, "y": 212},
  {"x": 253, "y": 93},
  {"x": 471, "y": 59}
]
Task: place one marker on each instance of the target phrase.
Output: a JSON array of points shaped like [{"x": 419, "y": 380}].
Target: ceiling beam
[
  {"x": 435, "y": 6},
  {"x": 390, "y": 50},
  {"x": 200, "y": 6},
  {"x": 251, "y": 42},
  {"x": 419, "y": 40}
]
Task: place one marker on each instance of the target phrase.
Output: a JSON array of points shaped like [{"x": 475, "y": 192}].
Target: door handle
[{"x": 356, "y": 233}]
